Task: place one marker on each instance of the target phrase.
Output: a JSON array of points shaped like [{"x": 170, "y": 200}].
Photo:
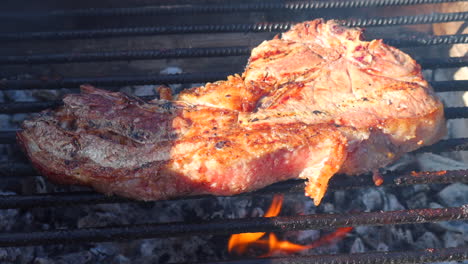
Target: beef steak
[{"x": 313, "y": 102}]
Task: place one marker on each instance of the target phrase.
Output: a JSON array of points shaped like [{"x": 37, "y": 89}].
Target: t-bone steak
[{"x": 311, "y": 103}]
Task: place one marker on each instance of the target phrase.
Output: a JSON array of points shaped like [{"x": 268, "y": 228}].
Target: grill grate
[
  {"x": 18, "y": 170},
  {"x": 231, "y": 8},
  {"x": 180, "y": 53},
  {"x": 229, "y": 28},
  {"x": 439, "y": 86},
  {"x": 417, "y": 256},
  {"x": 229, "y": 226},
  {"x": 338, "y": 182}
]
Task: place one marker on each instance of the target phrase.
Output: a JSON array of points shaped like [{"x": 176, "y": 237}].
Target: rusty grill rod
[
  {"x": 415, "y": 256},
  {"x": 338, "y": 182},
  {"x": 223, "y": 8},
  {"x": 198, "y": 77},
  {"x": 227, "y": 28},
  {"x": 127, "y": 55},
  {"x": 229, "y": 226}
]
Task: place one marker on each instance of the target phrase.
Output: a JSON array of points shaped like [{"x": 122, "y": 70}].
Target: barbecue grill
[{"x": 39, "y": 45}]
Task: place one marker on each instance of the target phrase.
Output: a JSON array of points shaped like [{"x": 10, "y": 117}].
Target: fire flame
[{"x": 240, "y": 243}]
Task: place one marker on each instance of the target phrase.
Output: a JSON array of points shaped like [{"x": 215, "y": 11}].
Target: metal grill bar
[
  {"x": 428, "y": 41},
  {"x": 448, "y": 86},
  {"x": 437, "y": 63},
  {"x": 414, "y": 256},
  {"x": 180, "y": 53},
  {"x": 225, "y": 8},
  {"x": 453, "y": 144},
  {"x": 29, "y": 107},
  {"x": 114, "y": 81},
  {"x": 456, "y": 112},
  {"x": 7, "y": 137},
  {"x": 128, "y": 55},
  {"x": 15, "y": 169},
  {"x": 229, "y": 226},
  {"x": 227, "y": 28},
  {"x": 406, "y": 20},
  {"x": 199, "y": 77},
  {"x": 338, "y": 182}
]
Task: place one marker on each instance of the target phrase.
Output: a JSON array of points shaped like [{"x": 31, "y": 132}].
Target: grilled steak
[{"x": 314, "y": 102}]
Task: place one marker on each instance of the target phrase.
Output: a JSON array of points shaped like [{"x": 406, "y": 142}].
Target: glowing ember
[{"x": 240, "y": 243}]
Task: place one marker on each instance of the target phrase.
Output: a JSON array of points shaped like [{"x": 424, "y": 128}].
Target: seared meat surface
[{"x": 314, "y": 102}]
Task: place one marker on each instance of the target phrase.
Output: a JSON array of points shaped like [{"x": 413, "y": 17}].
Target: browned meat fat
[{"x": 314, "y": 102}]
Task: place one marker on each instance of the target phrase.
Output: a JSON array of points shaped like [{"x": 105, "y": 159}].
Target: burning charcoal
[
  {"x": 104, "y": 250},
  {"x": 419, "y": 200},
  {"x": 308, "y": 207},
  {"x": 5, "y": 150},
  {"x": 362, "y": 230},
  {"x": 168, "y": 250},
  {"x": 148, "y": 247},
  {"x": 401, "y": 236},
  {"x": 453, "y": 226},
  {"x": 455, "y": 194},
  {"x": 428, "y": 240},
  {"x": 143, "y": 90},
  {"x": 370, "y": 235},
  {"x": 453, "y": 239},
  {"x": 16, "y": 255},
  {"x": 257, "y": 212},
  {"x": 8, "y": 217},
  {"x": 120, "y": 259},
  {"x": 392, "y": 203},
  {"x": 17, "y": 119},
  {"x": 172, "y": 212},
  {"x": 340, "y": 198},
  {"x": 306, "y": 236},
  {"x": 41, "y": 260},
  {"x": 328, "y": 208},
  {"x": 97, "y": 219},
  {"x": 33, "y": 185},
  {"x": 239, "y": 208},
  {"x": 421, "y": 188},
  {"x": 357, "y": 246},
  {"x": 382, "y": 247},
  {"x": 372, "y": 199},
  {"x": 19, "y": 96},
  {"x": 47, "y": 95},
  {"x": 434, "y": 162},
  {"x": 5, "y": 121},
  {"x": 78, "y": 257}
]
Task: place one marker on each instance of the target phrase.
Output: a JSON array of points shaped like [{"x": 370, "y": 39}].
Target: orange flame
[{"x": 240, "y": 243}]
